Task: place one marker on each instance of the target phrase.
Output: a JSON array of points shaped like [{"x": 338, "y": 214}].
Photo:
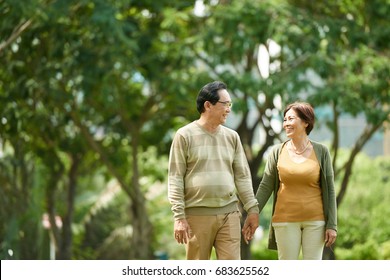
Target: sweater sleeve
[
  {"x": 332, "y": 207},
  {"x": 269, "y": 179},
  {"x": 176, "y": 172},
  {"x": 243, "y": 180}
]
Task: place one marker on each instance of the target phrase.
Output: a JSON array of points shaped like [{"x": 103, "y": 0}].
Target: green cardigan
[{"x": 270, "y": 184}]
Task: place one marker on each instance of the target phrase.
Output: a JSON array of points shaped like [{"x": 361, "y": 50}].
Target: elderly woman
[{"x": 300, "y": 175}]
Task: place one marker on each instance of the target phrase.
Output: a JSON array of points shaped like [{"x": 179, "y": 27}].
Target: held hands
[
  {"x": 182, "y": 231},
  {"x": 250, "y": 226}
]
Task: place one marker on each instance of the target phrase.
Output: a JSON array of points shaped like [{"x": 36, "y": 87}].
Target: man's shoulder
[
  {"x": 187, "y": 126},
  {"x": 186, "y": 129},
  {"x": 229, "y": 131}
]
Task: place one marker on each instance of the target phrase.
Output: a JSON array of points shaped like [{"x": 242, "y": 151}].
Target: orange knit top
[{"x": 299, "y": 196}]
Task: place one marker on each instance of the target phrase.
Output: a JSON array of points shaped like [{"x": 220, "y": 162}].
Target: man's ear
[{"x": 207, "y": 105}]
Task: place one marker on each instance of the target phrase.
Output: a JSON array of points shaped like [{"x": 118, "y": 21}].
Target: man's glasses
[{"x": 227, "y": 104}]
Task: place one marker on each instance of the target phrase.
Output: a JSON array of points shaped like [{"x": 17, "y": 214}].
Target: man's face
[{"x": 222, "y": 108}]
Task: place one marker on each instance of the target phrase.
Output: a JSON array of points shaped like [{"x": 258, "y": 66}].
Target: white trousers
[{"x": 292, "y": 237}]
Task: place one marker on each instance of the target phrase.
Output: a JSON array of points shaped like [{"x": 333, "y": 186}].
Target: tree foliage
[{"x": 92, "y": 91}]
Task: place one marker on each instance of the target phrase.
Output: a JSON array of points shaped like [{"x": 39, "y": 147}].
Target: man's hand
[
  {"x": 250, "y": 226},
  {"x": 182, "y": 231}
]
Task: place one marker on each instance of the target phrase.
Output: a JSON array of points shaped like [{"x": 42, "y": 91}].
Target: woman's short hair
[{"x": 305, "y": 112}]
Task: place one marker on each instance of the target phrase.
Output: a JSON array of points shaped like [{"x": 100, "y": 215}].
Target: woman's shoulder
[
  {"x": 319, "y": 145},
  {"x": 320, "y": 148},
  {"x": 276, "y": 148}
]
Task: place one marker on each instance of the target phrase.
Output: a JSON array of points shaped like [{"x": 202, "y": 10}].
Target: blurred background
[{"x": 92, "y": 92}]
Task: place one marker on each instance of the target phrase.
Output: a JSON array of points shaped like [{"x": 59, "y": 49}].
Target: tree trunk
[
  {"x": 335, "y": 128},
  {"x": 142, "y": 233},
  {"x": 57, "y": 170},
  {"x": 142, "y": 228},
  {"x": 66, "y": 244},
  {"x": 364, "y": 137}
]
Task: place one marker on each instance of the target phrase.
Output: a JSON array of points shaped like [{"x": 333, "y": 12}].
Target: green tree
[
  {"x": 229, "y": 38},
  {"x": 95, "y": 77},
  {"x": 88, "y": 87},
  {"x": 343, "y": 44}
]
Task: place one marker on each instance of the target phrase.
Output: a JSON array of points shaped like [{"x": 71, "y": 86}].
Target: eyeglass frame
[{"x": 227, "y": 104}]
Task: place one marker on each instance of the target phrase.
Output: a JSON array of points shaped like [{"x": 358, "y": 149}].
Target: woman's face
[{"x": 293, "y": 125}]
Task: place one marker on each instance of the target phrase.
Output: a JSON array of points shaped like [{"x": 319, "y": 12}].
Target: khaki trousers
[
  {"x": 290, "y": 237},
  {"x": 223, "y": 232}
]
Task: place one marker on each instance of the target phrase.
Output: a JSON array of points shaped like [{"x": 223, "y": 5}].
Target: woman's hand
[{"x": 330, "y": 237}]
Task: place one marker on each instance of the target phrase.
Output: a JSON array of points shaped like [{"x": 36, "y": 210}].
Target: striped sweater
[{"x": 207, "y": 171}]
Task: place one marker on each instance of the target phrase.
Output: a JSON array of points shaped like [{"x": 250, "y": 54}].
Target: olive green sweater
[
  {"x": 270, "y": 184},
  {"x": 206, "y": 171}
]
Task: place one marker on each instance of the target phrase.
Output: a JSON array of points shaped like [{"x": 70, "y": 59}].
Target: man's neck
[{"x": 208, "y": 125}]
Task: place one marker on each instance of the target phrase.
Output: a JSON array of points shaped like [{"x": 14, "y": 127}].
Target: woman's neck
[{"x": 300, "y": 144}]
